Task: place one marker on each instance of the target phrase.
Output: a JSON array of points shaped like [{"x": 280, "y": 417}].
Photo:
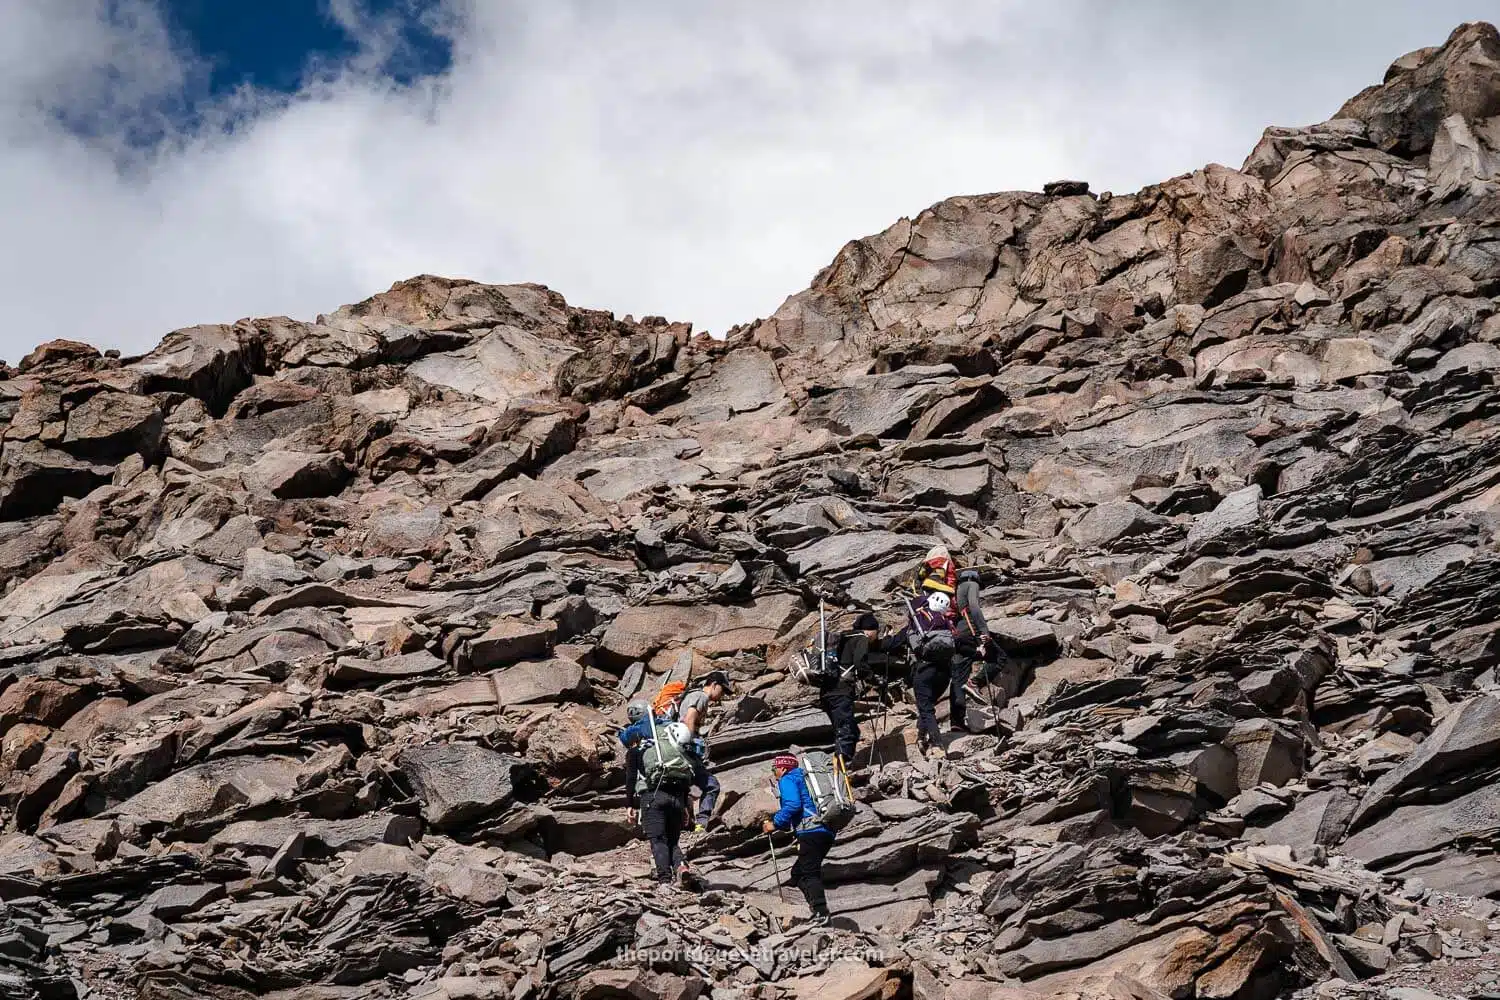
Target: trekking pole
[
  {"x": 822, "y": 635},
  {"x": 776, "y": 864}
]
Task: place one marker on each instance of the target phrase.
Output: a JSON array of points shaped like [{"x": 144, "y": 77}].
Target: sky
[{"x": 171, "y": 162}]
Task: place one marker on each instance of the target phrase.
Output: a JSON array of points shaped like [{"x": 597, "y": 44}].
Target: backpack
[
  {"x": 665, "y": 703},
  {"x": 827, "y": 782},
  {"x": 663, "y": 760},
  {"x": 811, "y": 667},
  {"x": 936, "y": 645}
]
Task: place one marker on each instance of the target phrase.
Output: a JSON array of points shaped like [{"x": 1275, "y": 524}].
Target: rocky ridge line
[{"x": 314, "y": 636}]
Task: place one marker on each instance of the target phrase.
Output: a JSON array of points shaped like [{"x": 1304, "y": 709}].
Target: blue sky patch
[{"x": 275, "y": 44}]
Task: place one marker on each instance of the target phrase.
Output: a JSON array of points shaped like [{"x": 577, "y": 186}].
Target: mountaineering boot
[{"x": 819, "y": 918}]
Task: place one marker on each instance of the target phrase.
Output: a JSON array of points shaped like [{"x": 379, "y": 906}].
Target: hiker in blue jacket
[{"x": 814, "y": 840}]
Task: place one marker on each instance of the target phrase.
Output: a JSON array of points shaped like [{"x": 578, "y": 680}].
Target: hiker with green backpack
[
  {"x": 661, "y": 793},
  {"x": 816, "y": 802}
]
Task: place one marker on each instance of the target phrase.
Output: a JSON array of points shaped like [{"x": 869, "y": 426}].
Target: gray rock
[
  {"x": 1318, "y": 819},
  {"x": 1470, "y": 735},
  {"x": 511, "y": 639},
  {"x": 114, "y": 424},
  {"x": 1418, "y": 829},
  {"x": 1228, "y": 526},
  {"x": 34, "y": 479},
  {"x": 1109, "y": 522},
  {"x": 460, "y": 783}
]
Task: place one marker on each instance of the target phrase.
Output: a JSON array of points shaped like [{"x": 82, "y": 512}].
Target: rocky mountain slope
[{"x": 314, "y": 636}]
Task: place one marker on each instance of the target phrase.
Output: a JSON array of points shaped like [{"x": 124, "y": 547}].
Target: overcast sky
[{"x": 696, "y": 159}]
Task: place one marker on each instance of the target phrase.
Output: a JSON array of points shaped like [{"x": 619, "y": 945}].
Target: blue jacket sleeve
[
  {"x": 635, "y": 732},
  {"x": 791, "y": 803}
]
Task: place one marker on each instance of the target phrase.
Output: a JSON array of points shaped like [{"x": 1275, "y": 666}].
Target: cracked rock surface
[{"x": 314, "y": 636}]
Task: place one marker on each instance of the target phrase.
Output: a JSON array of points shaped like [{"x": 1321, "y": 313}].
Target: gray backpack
[
  {"x": 662, "y": 760},
  {"x": 831, "y": 794},
  {"x": 936, "y": 646}
]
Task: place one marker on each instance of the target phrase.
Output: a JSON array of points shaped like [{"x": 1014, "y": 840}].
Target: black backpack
[{"x": 936, "y": 646}]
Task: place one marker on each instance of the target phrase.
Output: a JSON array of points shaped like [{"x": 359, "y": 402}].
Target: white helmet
[
  {"x": 679, "y": 733},
  {"x": 938, "y": 602}
]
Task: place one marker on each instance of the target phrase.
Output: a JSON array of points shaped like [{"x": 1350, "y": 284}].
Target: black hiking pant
[
  {"x": 838, "y": 702},
  {"x": 662, "y": 820},
  {"x": 633, "y": 756},
  {"x": 927, "y": 682},
  {"x": 969, "y": 666},
  {"x": 807, "y": 873}
]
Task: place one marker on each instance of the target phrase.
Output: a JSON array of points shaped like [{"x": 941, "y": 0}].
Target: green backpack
[{"x": 662, "y": 760}]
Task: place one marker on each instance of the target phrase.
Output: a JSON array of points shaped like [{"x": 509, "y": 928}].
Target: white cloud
[{"x": 699, "y": 160}]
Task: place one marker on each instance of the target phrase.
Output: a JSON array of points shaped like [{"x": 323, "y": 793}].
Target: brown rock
[
  {"x": 41, "y": 701},
  {"x": 511, "y": 639},
  {"x": 638, "y": 632},
  {"x": 290, "y": 475},
  {"x": 56, "y": 352},
  {"x": 844, "y": 980},
  {"x": 112, "y": 424},
  {"x": 22, "y": 746}
]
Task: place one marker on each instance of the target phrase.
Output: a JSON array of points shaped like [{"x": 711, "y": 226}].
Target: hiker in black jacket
[{"x": 836, "y": 693}]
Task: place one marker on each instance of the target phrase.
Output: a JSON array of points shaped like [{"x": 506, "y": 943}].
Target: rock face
[{"x": 315, "y": 635}]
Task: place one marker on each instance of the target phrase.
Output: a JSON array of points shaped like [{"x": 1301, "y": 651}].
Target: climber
[
  {"x": 929, "y": 634},
  {"x": 632, "y": 737},
  {"x": 973, "y": 646},
  {"x": 836, "y": 691},
  {"x": 661, "y": 789},
  {"x": 798, "y": 813},
  {"x": 692, "y": 711},
  {"x": 637, "y": 727},
  {"x": 937, "y": 572}
]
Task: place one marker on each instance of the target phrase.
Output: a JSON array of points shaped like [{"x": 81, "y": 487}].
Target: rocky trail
[{"x": 315, "y": 636}]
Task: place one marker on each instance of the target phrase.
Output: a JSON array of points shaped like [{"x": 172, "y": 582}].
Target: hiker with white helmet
[{"x": 929, "y": 635}]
